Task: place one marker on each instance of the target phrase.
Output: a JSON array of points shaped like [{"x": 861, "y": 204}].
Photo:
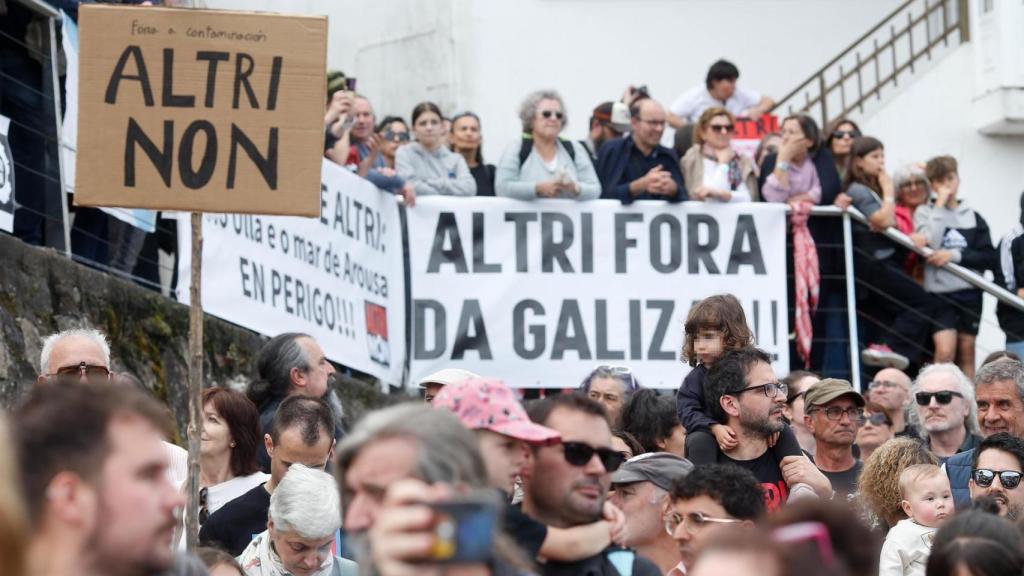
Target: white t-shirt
[
  {"x": 717, "y": 176},
  {"x": 694, "y": 102}
]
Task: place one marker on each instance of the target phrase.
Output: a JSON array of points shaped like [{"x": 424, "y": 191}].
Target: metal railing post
[
  {"x": 60, "y": 141},
  {"x": 963, "y": 12},
  {"x": 851, "y": 302}
]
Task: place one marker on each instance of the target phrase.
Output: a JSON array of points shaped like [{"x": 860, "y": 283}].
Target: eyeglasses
[
  {"x": 836, "y": 413},
  {"x": 875, "y": 384},
  {"x": 81, "y": 370},
  {"x": 578, "y": 454},
  {"x": 549, "y": 113},
  {"x": 693, "y": 522},
  {"x": 943, "y": 398},
  {"x": 722, "y": 128},
  {"x": 875, "y": 419},
  {"x": 840, "y": 134},
  {"x": 771, "y": 389},
  {"x": 393, "y": 136},
  {"x": 1010, "y": 479}
]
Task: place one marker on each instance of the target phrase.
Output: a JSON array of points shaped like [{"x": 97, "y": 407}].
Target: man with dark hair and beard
[
  {"x": 996, "y": 473},
  {"x": 743, "y": 392},
  {"x": 94, "y": 478}
]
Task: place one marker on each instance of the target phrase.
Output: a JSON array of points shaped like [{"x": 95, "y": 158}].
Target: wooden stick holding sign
[
  {"x": 195, "y": 382},
  {"x": 200, "y": 111}
]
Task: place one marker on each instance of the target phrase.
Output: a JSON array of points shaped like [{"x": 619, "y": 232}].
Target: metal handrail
[
  {"x": 959, "y": 271},
  {"x": 40, "y": 7},
  {"x": 905, "y": 31}
]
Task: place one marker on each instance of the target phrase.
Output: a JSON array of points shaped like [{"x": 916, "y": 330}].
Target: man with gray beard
[{"x": 744, "y": 394}]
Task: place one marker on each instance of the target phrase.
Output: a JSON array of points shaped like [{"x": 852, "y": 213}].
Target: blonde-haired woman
[
  {"x": 879, "y": 483},
  {"x": 712, "y": 170}
]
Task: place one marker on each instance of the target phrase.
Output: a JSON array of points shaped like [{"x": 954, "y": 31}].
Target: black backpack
[{"x": 527, "y": 147}]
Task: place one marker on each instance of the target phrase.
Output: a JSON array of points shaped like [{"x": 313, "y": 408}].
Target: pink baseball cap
[{"x": 484, "y": 404}]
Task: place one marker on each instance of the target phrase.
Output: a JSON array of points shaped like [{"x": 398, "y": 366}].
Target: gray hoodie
[
  {"x": 439, "y": 172},
  {"x": 963, "y": 232}
]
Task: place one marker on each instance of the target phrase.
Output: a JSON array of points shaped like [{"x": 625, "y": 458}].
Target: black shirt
[
  {"x": 528, "y": 533},
  {"x": 601, "y": 565},
  {"x": 767, "y": 472},
  {"x": 844, "y": 483},
  {"x": 234, "y": 525},
  {"x": 484, "y": 176}
]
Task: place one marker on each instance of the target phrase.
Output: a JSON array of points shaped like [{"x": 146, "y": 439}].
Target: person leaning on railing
[
  {"x": 958, "y": 234},
  {"x": 1010, "y": 275},
  {"x": 898, "y": 306},
  {"x": 794, "y": 177},
  {"x": 427, "y": 163},
  {"x": 840, "y": 140},
  {"x": 465, "y": 139},
  {"x": 712, "y": 170},
  {"x": 540, "y": 164}
]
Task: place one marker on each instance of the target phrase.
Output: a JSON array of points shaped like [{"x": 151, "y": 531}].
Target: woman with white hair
[
  {"x": 541, "y": 165},
  {"x": 304, "y": 516}
]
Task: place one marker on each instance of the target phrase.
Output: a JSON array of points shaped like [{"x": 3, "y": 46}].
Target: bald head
[
  {"x": 648, "y": 123},
  {"x": 891, "y": 389}
]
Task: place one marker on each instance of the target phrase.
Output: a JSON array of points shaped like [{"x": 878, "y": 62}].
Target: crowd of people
[
  {"x": 739, "y": 472},
  {"x": 912, "y": 311}
]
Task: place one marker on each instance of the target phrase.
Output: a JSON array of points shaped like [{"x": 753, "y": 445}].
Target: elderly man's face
[
  {"x": 643, "y": 504},
  {"x": 377, "y": 465},
  {"x": 72, "y": 351},
  {"x": 611, "y": 392},
  {"x": 937, "y": 417},
  {"x": 1000, "y": 408},
  {"x": 890, "y": 389},
  {"x": 841, "y": 432}
]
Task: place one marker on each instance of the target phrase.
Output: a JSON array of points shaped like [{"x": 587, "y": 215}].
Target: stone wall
[{"x": 42, "y": 291}]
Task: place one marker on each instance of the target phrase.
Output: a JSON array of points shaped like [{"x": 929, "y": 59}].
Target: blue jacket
[
  {"x": 613, "y": 161},
  {"x": 958, "y": 468}
]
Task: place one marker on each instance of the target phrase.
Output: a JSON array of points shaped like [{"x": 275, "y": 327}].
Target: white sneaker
[{"x": 881, "y": 356}]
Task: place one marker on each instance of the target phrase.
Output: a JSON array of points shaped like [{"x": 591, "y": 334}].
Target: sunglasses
[
  {"x": 578, "y": 454},
  {"x": 89, "y": 371},
  {"x": 943, "y": 398},
  {"x": 204, "y": 512},
  {"x": 876, "y": 420},
  {"x": 1008, "y": 478},
  {"x": 396, "y": 136},
  {"x": 722, "y": 128},
  {"x": 549, "y": 113},
  {"x": 840, "y": 134}
]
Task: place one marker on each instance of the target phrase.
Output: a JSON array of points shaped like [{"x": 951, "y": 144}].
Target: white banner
[
  {"x": 338, "y": 278},
  {"x": 6, "y": 178},
  {"x": 539, "y": 293}
]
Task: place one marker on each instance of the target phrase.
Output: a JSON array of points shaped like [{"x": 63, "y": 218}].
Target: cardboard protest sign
[{"x": 206, "y": 111}]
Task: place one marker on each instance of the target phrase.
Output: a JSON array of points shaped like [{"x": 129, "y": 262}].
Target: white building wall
[
  {"x": 930, "y": 116},
  {"x": 486, "y": 55}
]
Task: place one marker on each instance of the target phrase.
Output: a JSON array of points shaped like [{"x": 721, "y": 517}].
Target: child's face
[
  {"x": 708, "y": 345},
  {"x": 930, "y": 501}
]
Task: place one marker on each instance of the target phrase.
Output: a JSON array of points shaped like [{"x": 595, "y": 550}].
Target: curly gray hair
[{"x": 528, "y": 109}]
